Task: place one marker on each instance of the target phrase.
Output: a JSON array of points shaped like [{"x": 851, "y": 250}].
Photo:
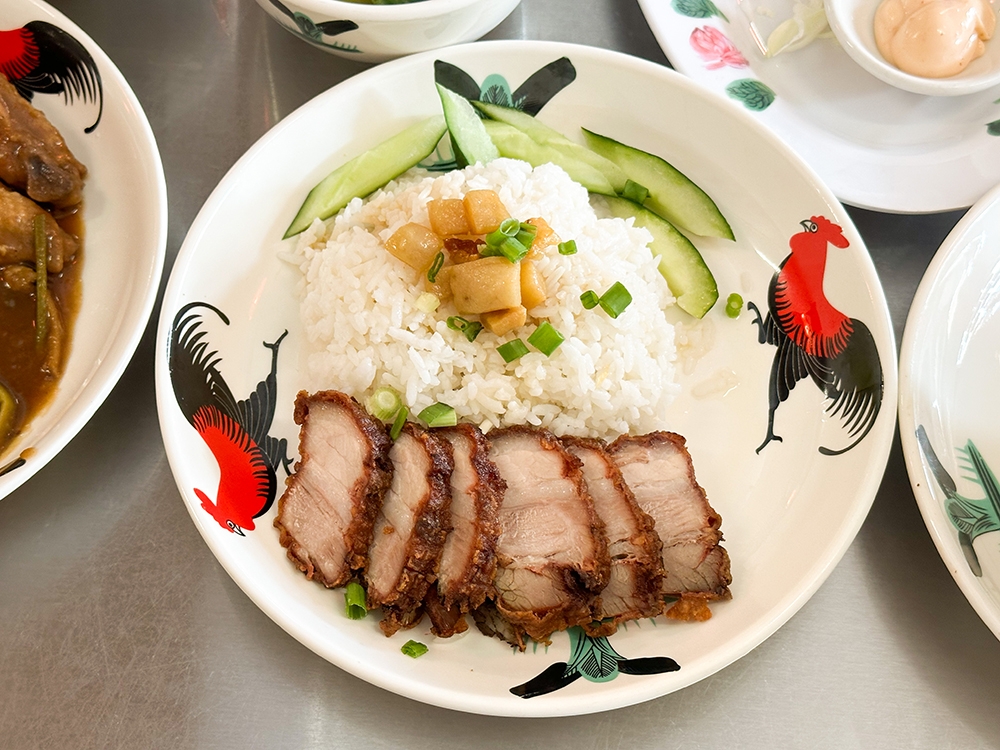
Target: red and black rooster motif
[
  {"x": 235, "y": 431},
  {"x": 816, "y": 340},
  {"x": 40, "y": 58}
]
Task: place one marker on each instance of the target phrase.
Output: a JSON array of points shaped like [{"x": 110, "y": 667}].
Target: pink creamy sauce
[{"x": 933, "y": 38}]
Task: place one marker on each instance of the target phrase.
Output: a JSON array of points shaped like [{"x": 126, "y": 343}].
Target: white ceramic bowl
[
  {"x": 125, "y": 215},
  {"x": 374, "y": 33},
  {"x": 853, "y": 23}
]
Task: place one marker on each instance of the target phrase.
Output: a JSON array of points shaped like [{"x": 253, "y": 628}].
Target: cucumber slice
[
  {"x": 516, "y": 144},
  {"x": 469, "y": 140},
  {"x": 689, "y": 279},
  {"x": 546, "y": 136},
  {"x": 368, "y": 172},
  {"x": 671, "y": 194}
]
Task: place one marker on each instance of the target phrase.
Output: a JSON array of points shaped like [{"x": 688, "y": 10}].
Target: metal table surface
[{"x": 119, "y": 629}]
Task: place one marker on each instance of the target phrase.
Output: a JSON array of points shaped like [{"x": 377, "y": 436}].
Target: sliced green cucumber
[
  {"x": 689, "y": 279},
  {"x": 368, "y": 172},
  {"x": 544, "y": 135},
  {"x": 516, "y": 144},
  {"x": 671, "y": 194},
  {"x": 469, "y": 140}
]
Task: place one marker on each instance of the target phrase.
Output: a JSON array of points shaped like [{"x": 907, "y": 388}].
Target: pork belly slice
[
  {"x": 326, "y": 513},
  {"x": 658, "y": 469},
  {"x": 411, "y": 527},
  {"x": 468, "y": 562},
  {"x": 636, "y": 574},
  {"x": 552, "y": 552}
]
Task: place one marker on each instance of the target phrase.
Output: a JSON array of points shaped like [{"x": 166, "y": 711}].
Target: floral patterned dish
[
  {"x": 793, "y": 479},
  {"x": 876, "y": 146},
  {"x": 948, "y": 405}
]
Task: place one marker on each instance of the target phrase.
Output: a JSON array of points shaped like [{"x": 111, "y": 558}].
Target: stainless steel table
[{"x": 119, "y": 629}]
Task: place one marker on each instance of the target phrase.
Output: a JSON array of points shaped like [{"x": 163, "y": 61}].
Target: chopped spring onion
[
  {"x": 435, "y": 269},
  {"x": 470, "y": 328},
  {"x": 414, "y": 649},
  {"x": 384, "y": 403},
  {"x": 616, "y": 299},
  {"x": 41, "y": 280},
  {"x": 8, "y": 408},
  {"x": 510, "y": 248},
  {"x": 635, "y": 192},
  {"x": 526, "y": 234},
  {"x": 734, "y": 304},
  {"x": 512, "y": 350},
  {"x": 438, "y": 415},
  {"x": 399, "y": 423},
  {"x": 427, "y": 302},
  {"x": 567, "y": 248},
  {"x": 354, "y": 597},
  {"x": 590, "y": 299},
  {"x": 546, "y": 339},
  {"x": 508, "y": 228}
]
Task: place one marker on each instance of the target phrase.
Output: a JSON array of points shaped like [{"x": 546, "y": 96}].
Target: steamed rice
[{"x": 359, "y": 308}]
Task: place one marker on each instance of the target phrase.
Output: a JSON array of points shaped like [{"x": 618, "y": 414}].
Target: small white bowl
[
  {"x": 852, "y": 21},
  {"x": 375, "y": 33}
]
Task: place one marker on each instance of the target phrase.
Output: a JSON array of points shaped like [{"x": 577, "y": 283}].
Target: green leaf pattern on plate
[
  {"x": 697, "y": 9},
  {"x": 753, "y": 94}
]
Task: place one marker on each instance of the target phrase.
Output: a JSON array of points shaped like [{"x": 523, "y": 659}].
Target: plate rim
[
  {"x": 783, "y": 609},
  {"x": 932, "y": 515}
]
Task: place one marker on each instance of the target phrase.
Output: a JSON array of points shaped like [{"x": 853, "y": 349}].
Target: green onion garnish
[
  {"x": 508, "y": 228},
  {"x": 354, "y": 597},
  {"x": 438, "y": 415},
  {"x": 509, "y": 247},
  {"x": 635, "y": 192},
  {"x": 470, "y": 328},
  {"x": 400, "y": 421},
  {"x": 590, "y": 299},
  {"x": 384, "y": 403},
  {"x": 734, "y": 305},
  {"x": 567, "y": 248},
  {"x": 546, "y": 339},
  {"x": 414, "y": 649},
  {"x": 512, "y": 350},
  {"x": 616, "y": 299},
  {"x": 41, "y": 280},
  {"x": 432, "y": 272},
  {"x": 526, "y": 234}
]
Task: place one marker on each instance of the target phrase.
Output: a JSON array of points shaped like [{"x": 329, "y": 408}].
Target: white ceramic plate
[
  {"x": 789, "y": 512},
  {"x": 125, "y": 216},
  {"x": 876, "y": 146},
  {"x": 948, "y": 395}
]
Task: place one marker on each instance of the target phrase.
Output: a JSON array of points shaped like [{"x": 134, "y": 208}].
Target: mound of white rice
[{"x": 358, "y": 304}]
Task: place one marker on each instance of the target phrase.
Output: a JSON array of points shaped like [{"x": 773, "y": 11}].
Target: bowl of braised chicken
[{"x": 82, "y": 234}]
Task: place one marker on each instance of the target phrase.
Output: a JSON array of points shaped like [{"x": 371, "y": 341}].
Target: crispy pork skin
[
  {"x": 658, "y": 469},
  {"x": 633, "y": 589},
  {"x": 552, "y": 552},
  {"x": 34, "y": 157},
  {"x": 330, "y": 502},
  {"x": 411, "y": 527}
]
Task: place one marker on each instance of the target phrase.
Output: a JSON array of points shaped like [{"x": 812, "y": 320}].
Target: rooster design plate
[
  {"x": 876, "y": 146},
  {"x": 811, "y": 367},
  {"x": 68, "y": 77},
  {"x": 948, "y": 404}
]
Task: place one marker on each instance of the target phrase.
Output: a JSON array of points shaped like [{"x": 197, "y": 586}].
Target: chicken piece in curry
[{"x": 41, "y": 232}]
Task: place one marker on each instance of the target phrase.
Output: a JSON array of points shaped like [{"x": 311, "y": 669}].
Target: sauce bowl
[{"x": 852, "y": 21}]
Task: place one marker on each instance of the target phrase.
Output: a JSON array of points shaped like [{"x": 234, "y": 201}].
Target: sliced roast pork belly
[
  {"x": 658, "y": 469},
  {"x": 552, "y": 553},
  {"x": 468, "y": 561},
  {"x": 326, "y": 514},
  {"x": 633, "y": 589},
  {"x": 411, "y": 527}
]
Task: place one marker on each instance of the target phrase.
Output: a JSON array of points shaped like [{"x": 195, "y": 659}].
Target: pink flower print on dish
[{"x": 715, "y": 49}]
